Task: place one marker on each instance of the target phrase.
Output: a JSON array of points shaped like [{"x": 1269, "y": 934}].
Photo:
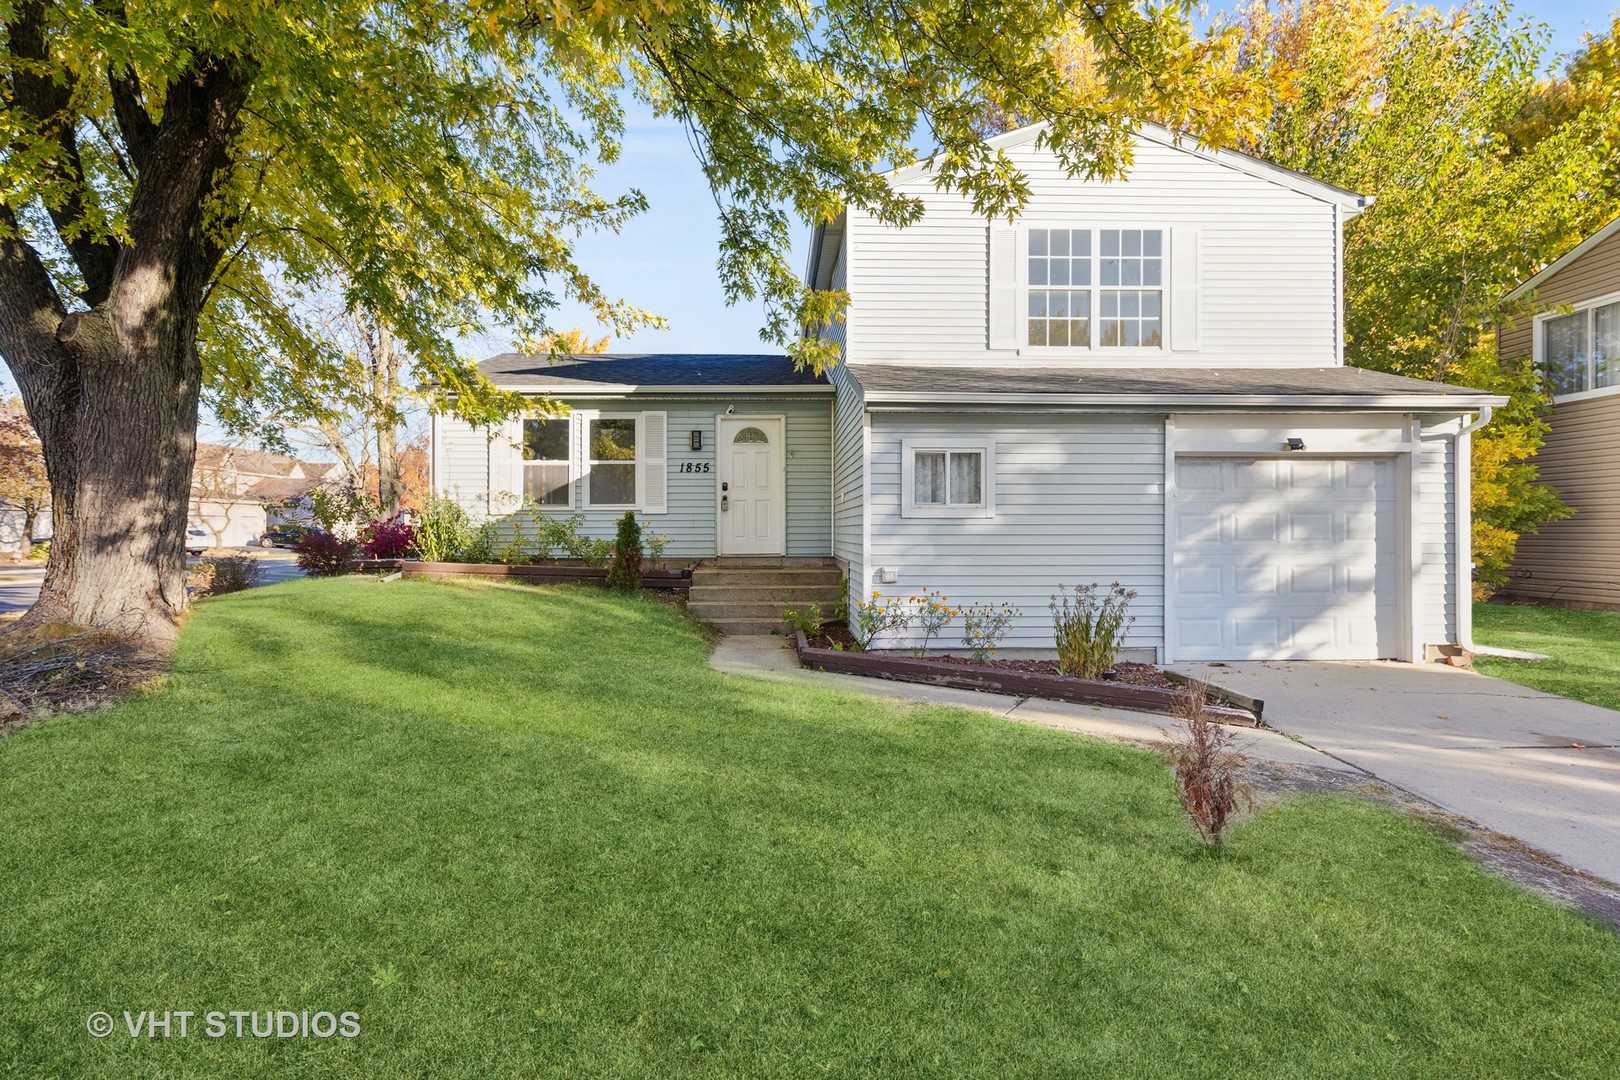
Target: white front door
[
  {"x": 752, "y": 499},
  {"x": 1285, "y": 559}
]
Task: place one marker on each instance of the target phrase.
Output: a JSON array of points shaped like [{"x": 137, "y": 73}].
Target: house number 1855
[{"x": 695, "y": 466}]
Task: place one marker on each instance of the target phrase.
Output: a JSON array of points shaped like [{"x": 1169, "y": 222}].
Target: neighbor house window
[
  {"x": 546, "y": 448},
  {"x": 611, "y": 461},
  {"x": 954, "y": 478},
  {"x": 1583, "y": 349}
]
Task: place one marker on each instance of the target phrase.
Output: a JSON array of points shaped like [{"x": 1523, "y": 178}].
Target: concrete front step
[
  {"x": 775, "y": 562},
  {"x": 748, "y": 627},
  {"x": 761, "y": 576},
  {"x": 751, "y": 610},
  {"x": 731, "y": 593}
]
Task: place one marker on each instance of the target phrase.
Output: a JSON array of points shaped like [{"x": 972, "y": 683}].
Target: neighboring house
[
  {"x": 11, "y": 530},
  {"x": 237, "y": 494},
  {"x": 1139, "y": 381},
  {"x": 1574, "y": 334}
]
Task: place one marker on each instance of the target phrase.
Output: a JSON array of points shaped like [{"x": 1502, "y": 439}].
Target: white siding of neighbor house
[
  {"x": 1267, "y": 265},
  {"x": 1436, "y": 600},
  {"x": 1078, "y": 500},
  {"x": 472, "y": 474}
]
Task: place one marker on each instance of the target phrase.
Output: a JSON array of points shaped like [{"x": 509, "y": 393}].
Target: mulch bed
[
  {"x": 42, "y": 675},
  {"x": 1134, "y": 686},
  {"x": 534, "y": 573},
  {"x": 1130, "y": 674},
  {"x": 836, "y": 635}
]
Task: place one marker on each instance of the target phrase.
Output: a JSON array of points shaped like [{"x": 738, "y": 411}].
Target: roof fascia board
[
  {"x": 606, "y": 390},
  {"x": 886, "y": 401},
  {"x": 1558, "y": 264}
]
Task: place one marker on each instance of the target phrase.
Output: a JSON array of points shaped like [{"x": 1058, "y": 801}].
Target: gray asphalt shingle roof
[{"x": 517, "y": 371}]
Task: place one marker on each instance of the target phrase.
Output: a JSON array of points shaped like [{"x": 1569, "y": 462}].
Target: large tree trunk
[
  {"x": 120, "y": 469},
  {"x": 113, "y": 390},
  {"x": 385, "y": 365}
]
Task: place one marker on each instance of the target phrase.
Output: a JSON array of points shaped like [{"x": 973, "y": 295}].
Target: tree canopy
[
  {"x": 173, "y": 171},
  {"x": 1482, "y": 170}
]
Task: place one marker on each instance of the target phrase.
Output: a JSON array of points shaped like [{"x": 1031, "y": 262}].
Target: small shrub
[
  {"x": 391, "y": 539},
  {"x": 624, "y": 572},
  {"x": 656, "y": 543},
  {"x": 443, "y": 530},
  {"x": 983, "y": 627},
  {"x": 482, "y": 546},
  {"x": 933, "y": 614},
  {"x": 808, "y": 619},
  {"x": 1090, "y": 627},
  {"x": 39, "y": 550},
  {"x": 880, "y": 615},
  {"x": 566, "y": 537},
  {"x": 323, "y": 554},
  {"x": 840, "y": 611},
  {"x": 233, "y": 573},
  {"x": 1207, "y": 766}
]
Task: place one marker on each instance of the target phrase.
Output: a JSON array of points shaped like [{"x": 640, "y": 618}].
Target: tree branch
[{"x": 49, "y": 105}]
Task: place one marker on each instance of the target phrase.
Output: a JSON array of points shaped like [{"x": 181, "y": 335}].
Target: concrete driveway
[{"x": 1541, "y": 768}]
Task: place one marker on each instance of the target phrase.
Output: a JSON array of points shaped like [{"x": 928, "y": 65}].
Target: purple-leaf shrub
[
  {"x": 320, "y": 554},
  {"x": 391, "y": 539}
]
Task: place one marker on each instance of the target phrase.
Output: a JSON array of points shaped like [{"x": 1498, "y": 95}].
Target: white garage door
[{"x": 1284, "y": 559}]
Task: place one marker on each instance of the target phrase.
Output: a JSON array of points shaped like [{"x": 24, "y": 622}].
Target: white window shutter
[
  {"x": 1003, "y": 295},
  {"x": 652, "y": 457},
  {"x": 1184, "y": 289},
  {"x": 505, "y": 466}
]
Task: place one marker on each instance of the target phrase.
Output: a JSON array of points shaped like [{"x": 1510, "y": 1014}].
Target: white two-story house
[{"x": 1139, "y": 381}]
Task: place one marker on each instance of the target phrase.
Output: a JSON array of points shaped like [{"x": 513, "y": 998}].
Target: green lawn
[
  {"x": 1582, "y": 649},
  {"x": 530, "y": 833}
]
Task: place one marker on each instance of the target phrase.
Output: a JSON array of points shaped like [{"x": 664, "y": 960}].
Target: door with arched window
[{"x": 751, "y": 498}]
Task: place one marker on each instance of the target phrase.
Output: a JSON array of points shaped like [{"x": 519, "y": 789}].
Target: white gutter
[
  {"x": 1463, "y": 542},
  {"x": 894, "y": 401}
]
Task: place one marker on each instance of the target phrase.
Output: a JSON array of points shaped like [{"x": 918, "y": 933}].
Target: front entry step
[{"x": 742, "y": 596}]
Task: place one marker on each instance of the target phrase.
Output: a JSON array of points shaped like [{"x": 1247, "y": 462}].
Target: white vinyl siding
[
  {"x": 1078, "y": 500},
  {"x": 688, "y": 517},
  {"x": 1264, "y": 292}
]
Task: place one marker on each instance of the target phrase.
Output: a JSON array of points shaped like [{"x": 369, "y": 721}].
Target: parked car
[
  {"x": 284, "y": 536},
  {"x": 198, "y": 539}
]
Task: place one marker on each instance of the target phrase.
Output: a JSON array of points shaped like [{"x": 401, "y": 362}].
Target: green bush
[
  {"x": 624, "y": 572},
  {"x": 233, "y": 573},
  {"x": 983, "y": 627},
  {"x": 807, "y": 619},
  {"x": 482, "y": 546},
  {"x": 1090, "y": 628},
  {"x": 443, "y": 529},
  {"x": 40, "y": 550}
]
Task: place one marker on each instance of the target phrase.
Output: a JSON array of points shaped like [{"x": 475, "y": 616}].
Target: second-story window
[
  {"x": 1583, "y": 348},
  {"x": 1095, "y": 288},
  {"x": 1060, "y": 287}
]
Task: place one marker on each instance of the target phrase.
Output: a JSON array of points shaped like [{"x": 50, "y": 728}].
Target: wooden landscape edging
[
  {"x": 537, "y": 574},
  {"x": 1002, "y": 681}
]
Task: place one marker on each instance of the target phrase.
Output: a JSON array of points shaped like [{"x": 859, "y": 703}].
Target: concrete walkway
[
  {"x": 768, "y": 657},
  {"x": 1538, "y": 767}
]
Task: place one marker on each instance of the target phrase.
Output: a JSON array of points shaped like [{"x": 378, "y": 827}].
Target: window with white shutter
[{"x": 653, "y": 459}]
